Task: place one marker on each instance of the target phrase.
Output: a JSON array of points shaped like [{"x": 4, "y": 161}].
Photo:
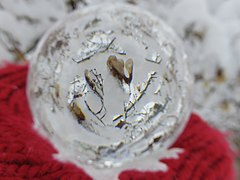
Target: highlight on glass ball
[{"x": 109, "y": 85}]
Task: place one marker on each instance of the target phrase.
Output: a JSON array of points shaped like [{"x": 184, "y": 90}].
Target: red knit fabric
[{"x": 24, "y": 154}]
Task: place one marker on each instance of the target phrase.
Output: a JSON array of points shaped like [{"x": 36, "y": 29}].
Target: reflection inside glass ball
[{"x": 110, "y": 85}]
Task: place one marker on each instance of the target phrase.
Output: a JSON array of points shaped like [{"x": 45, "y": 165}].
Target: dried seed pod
[
  {"x": 57, "y": 90},
  {"x": 76, "y": 110},
  {"x": 88, "y": 79},
  {"x": 129, "y": 68},
  {"x": 116, "y": 66}
]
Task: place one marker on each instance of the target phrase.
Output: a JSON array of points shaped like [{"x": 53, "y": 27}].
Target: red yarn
[{"x": 24, "y": 154}]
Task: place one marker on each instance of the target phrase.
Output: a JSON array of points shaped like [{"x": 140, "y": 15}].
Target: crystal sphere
[{"x": 108, "y": 85}]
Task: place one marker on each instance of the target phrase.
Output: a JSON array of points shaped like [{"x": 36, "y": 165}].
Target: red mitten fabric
[{"x": 26, "y": 155}]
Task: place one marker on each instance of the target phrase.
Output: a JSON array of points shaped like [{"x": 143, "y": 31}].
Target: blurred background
[{"x": 210, "y": 30}]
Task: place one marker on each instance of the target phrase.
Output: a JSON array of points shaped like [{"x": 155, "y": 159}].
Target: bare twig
[
  {"x": 151, "y": 76},
  {"x": 96, "y": 113},
  {"x": 156, "y": 58},
  {"x": 92, "y": 47},
  {"x": 132, "y": 104},
  {"x": 96, "y": 84}
]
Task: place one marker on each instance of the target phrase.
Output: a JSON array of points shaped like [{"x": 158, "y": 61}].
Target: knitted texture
[{"x": 24, "y": 154}]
